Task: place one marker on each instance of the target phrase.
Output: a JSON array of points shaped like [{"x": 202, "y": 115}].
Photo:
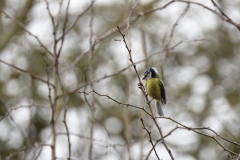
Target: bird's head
[{"x": 150, "y": 72}]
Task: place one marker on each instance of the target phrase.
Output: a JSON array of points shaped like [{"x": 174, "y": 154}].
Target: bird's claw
[
  {"x": 140, "y": 84},
  {"x": 149, "y": 101}
]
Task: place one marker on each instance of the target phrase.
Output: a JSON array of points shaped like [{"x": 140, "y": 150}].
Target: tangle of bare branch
[
  {"x": 206, "y": 135},
  {"x": 20, "y": 24},
  {"x": 10, "y": 156},
  {"x": 27, "y": 72},
  {"x": 141, "y": 87}
]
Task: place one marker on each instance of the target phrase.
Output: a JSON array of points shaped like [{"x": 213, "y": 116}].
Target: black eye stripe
[{"x": 153, "y": 73}]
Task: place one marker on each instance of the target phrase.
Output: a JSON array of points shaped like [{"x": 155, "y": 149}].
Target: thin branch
[
  {"x": 58, "y": 79},
  {"x": 130, "y": 55},
  {"x": 50, "y": 15},
  {"x": 168, "y": 134},
  {"x": 106, "y": 142},
  {"x": 27, "y": 72},
  {"x": 90, "y": 79},
  {"x": 227, "y": 19},
  {"x": 76, "y": 20},
  {"x": 129, "y": 15},
  {"x": 41, "y": 148},
  {"x": 175, "y": 25},
  {"x": 25, "y": 150},
  {"x": 65, "y": 117},
  {"x": 209, "y": 129},
  {"x": 20, "y": 24},
  {"x": 62, "y": 88},
  {"x": 222, "y": 15},
  {"x": 48, "y": 80},
  {"x": 58, "y": 15},
  {"x": 64, "y": 28},
  {"x": 150, "y": 139},
  {"x": 18, "y": 126},
  {"x": 121, "y": 103},
  {"x": 203, "y": 134},
  {"x": 65, "y": 122},
  {"x": 23, "y": 106}
]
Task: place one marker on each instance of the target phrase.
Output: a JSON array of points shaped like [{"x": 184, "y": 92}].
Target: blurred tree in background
[{"x": 53, "y": 53}]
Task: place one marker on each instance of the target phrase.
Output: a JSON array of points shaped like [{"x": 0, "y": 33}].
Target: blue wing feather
[{"x": 163, "y": 93}]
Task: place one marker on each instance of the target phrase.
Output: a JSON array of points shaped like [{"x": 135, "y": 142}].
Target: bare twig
[
  {"x": 40, "y": 151},
  {"x": 51, "y": 16},
  {"x": 53, "y": 100},
  {"x": 227, "y": 19},
  {"x": 58, "y": 53},
  {"x": 221, "y": 15},
  {"x": 58, "y": 15},
  {"x": 26, "y": 149},
  {"x": 65, "y": 124},
  {"x": 105, "y": 95},
  {"x": 48, "y": 80},
  {"x": 23, "y": 106},
  {"x": 64, "y": 117},
  {"x": 106, "y": 142},
  {"x": 20, "y": 24},
  {"x": 52, "y": 107},
  {"x": 150, "y": 138},
  {"x": 27, "y": 72},
  {"x": 90, "y": 80},
  {"x": 168, "y": 134},
  {"x": 18, "y": 126},
  {"x": 129, "y": 15},
  {"x": 76, "y": 20},
  {"x": 130, "y": 55},
  {"x": 62, "y": 88},
  {"x": 203, "y": 134},
  {"x": 175, "y": 25},
  {"x": 64, "y": 28}
]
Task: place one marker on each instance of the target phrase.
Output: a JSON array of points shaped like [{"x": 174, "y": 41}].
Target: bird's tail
[{"x": 159, "y": 109}]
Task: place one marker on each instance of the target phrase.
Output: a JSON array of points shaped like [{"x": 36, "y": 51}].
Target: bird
[{"x": 154, "y": 86}]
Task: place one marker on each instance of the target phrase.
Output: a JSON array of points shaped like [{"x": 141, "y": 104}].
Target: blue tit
[{"x": 155, "y": 89}]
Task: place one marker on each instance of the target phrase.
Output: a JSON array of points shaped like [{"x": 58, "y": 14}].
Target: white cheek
[{"x": 149, "y": 76}]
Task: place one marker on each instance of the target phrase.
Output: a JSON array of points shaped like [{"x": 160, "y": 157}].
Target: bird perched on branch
[{"x": 155, "y": 89}]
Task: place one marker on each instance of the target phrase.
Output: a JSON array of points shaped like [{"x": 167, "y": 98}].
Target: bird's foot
[{"x": 149, "y": 101}]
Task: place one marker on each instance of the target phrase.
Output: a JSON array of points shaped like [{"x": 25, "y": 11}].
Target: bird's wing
[{"x": 163, "y": 93}]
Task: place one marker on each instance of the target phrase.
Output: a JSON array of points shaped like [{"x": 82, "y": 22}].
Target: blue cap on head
[{"x": 150, "y": 70}]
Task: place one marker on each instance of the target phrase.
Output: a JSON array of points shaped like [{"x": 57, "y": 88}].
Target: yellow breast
[{"x": 153, "y": 88}]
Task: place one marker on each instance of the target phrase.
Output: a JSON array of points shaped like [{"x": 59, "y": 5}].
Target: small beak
[{"x": 144, "y": 78}]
